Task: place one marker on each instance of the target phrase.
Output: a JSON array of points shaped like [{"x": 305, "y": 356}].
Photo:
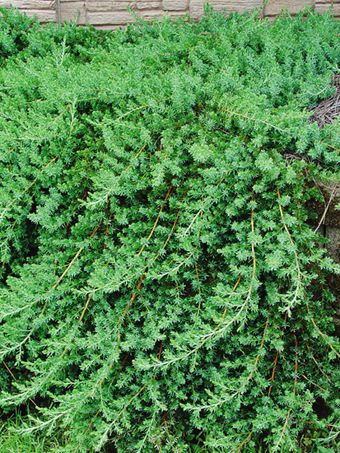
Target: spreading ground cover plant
[
  {"x": 37, "y": 442},
  {"x": 162, "y": 285}
]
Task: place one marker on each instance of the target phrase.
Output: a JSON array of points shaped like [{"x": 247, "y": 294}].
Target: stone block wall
[
  {"x": 45, "y": 10},
  {"x": 113, "y": 13}
]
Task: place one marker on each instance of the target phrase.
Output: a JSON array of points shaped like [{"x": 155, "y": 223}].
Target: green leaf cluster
[{"x": 161, "y": 281}]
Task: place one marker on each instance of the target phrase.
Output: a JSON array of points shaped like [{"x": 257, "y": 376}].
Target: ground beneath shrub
[{"x": 328, "y": 110}]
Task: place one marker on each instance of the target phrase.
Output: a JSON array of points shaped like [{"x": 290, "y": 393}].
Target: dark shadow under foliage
[
  {"x": 327, "y": 111},
  {"x": 161, "y": 287}
]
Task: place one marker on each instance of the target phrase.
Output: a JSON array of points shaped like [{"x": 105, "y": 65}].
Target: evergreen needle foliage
[{"x": 161, "y": 285}]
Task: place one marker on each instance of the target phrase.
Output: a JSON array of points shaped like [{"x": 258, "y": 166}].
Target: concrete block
[
  {"x": 235, "y": 5},
  {"x": 152, "y": 15},
  {"x": 333, "y": 246},
  {"x": 109, "y": 18},
  {"x": 43, "y": 15},
  {"x": 102, "y": 6},
  {"x": 29, "y": 4},
  {"x": 323, "y": 7},
  {"x": 69, "y": 11},
  {"x": 331, "y": 198},
  {"x": 175, "y": 5},
  {"x": 148, "y": 5},
  {"x": 333, "y": 280},
  {"x": 274, "y": 7},
  {"x": 196, "y": 9}
]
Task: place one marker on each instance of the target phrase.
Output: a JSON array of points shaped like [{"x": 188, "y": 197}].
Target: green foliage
[
  {"x": 161, "y": 286},
  {"x": 14, "y": 28},
  {"x": 12, "y": 442}
]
